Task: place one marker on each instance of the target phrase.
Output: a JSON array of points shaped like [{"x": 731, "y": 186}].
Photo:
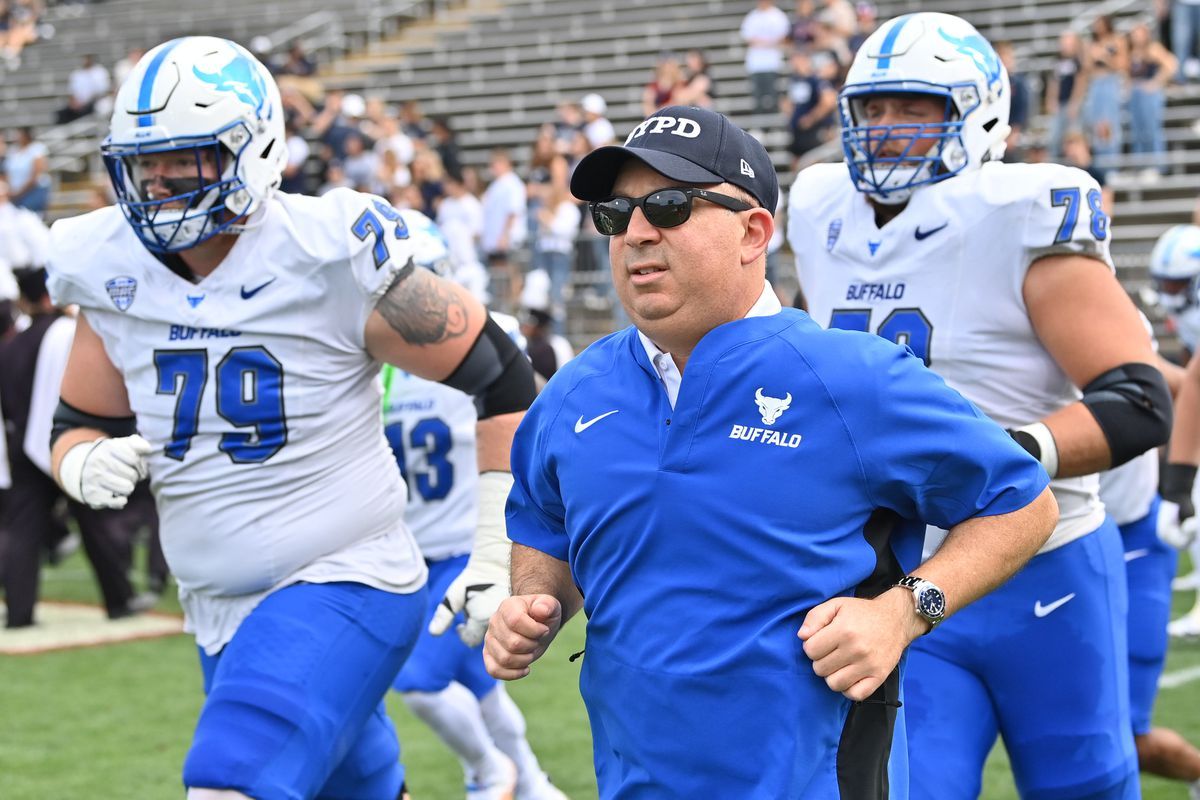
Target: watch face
[{"x": 931, "y": 603}]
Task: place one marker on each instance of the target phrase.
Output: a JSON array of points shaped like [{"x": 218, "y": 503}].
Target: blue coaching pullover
[{"x": 798, "y": 465}]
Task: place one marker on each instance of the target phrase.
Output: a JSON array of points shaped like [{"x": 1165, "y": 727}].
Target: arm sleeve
[
  {"x": 535, "y": 513},
  {"x": 927, "y": 452}
]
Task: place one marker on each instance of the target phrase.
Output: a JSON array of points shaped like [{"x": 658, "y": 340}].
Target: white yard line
[{"x": 1171, "y": 680}]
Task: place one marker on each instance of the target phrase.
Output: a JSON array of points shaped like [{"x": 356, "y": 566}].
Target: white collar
[{"x": 766, "y": 305}]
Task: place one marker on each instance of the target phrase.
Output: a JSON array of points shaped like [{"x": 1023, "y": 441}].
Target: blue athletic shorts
[
  {"x": 438, "y": 660},
  {"x": 1149, "y": 567},
  {"x": 1043, "y": 661},
  {"x": 294, "y": 702}
]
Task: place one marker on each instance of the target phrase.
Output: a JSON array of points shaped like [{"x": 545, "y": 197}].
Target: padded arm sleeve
[
  {"x": 67, "y": 417},
  {"x": 1132, "y": 405},
  {"x": 496, "y": 373}
]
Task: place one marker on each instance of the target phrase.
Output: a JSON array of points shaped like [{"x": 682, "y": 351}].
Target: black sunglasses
[{"x": 665, "y": 208}]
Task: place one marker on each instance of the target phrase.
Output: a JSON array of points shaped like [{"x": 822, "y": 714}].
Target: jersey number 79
[{"x": 249, "y": 385}]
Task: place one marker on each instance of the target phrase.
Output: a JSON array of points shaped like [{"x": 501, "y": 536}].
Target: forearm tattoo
[{"x": 423, "y": 308}]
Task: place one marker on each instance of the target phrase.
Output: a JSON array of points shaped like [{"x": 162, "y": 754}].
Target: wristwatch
[{"x": 930, "y": 600}]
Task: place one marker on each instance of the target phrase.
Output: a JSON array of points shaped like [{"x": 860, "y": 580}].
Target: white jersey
[
  {"x": 945, "y": 277},
  {"x": 431, "y": 429},
  {"x": 254, "y": 384},
  {"x": 1128, "y": 490}
]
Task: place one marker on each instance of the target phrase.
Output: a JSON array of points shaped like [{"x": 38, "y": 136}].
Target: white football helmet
[
  {"x": 212, "y": 104},
  {"x": 930, "y": 54},
  {"x": 1175, "y": 268}
]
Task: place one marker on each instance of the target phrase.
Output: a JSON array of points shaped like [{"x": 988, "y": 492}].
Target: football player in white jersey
[
  {"x": 998, "y": 275},
  {"x": 229, "y": 345},
  {"x": 1175, "y": 268},
  {"x": 431, "y": 429},
  {"x": 1150, "y": 531}
]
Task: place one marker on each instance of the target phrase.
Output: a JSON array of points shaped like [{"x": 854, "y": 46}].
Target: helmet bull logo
[{"x": 771, "y": 407}]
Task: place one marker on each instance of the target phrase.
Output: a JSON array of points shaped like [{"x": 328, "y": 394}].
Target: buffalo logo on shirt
[
  {"x": 770, "y": 409},
  {"x": 121, "y": 291},
  {"x": 831, "y": 236}
]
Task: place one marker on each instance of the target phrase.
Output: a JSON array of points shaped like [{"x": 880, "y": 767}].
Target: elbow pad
[
  {"x": 1132, "y": 405},
  {"x": 67, "y": 417},
  {"x": 496, "y": 373}
]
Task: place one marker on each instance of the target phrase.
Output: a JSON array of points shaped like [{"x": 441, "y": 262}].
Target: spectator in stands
[
  {"x": 445, "y": 142},
  {"x": 803, "y": 19},
  {"x": 335, "y": 178},
  {"x": 1019, "y": 99},
  {"x": 361, "y": 165},
  {"x": 27, "y": 170},
  {"x": 831, "y": 55},
  {"x": 868, "y": 21},
  {"x": 394, "y": 141},
  {"x": 1151, "y": 67},
  {"x": 698, "y": 87},
  {"x": 390, "y": 173},
  {"x": 460, "y": 211},
  {"x": 1065, "y": 89},
  {"x": 547, "y": 350},
  {"x": 24, "y": 238},
  {"x": 765, "y": 30},
  {"x": 122, "y": 68},
  {"x": 88, "y": 83},
  {"x": 667, "y": 81},
  {"x": 1106, "y": 65},
  {"x": 568, "y": 131},
  {"x": 596, "y": 128},
  {"x": 22, "y": 29},
  {"x": 1185, "y": 30},
  {"x": 412, "y": 121},
  {"x": 504, "y": 225},
  {"x": 333, "y": 125},
  {"x": 1077, "y": 153},
  {"x": 548, "y": 171},
  {"x": 841, "y": 17},
  {"x": 428, "y": 176},
  {"x": 294, "y": 179},
  {"x": 809, "y": 103},
  {"x": 558, "y": 221},
  {"x": 297, "y": 62}
]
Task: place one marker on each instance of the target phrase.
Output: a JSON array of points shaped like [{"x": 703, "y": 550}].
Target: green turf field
[{"x": 115, "y": 721}]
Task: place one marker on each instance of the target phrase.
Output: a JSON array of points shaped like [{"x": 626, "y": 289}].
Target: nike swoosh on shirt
[
  {"x": 581, "y": 426},
  {"x": 248, "y": 293},
  {"x": 920, "y": 234},
  {"x": 1133, "y": 555},
  {"x": 1040, "y": 610}
]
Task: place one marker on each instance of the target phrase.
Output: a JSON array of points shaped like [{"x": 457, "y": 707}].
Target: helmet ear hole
[{"x": 267, "y": 150}]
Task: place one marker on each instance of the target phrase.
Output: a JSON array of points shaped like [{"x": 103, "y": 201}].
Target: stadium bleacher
[{"x": 498, "y": 69}]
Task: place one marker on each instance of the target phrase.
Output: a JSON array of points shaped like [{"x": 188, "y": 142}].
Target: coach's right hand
[
  {"x": 519, "y": 633},
  {"x": 103, "y": 473}
]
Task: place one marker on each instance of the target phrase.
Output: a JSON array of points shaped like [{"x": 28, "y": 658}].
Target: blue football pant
[
  {"x": 294, "y": 704},
  {"x": 1043, "y": 661},
  {"x": 437, "y": 661},
  {"x": 1149, "y": 567}
]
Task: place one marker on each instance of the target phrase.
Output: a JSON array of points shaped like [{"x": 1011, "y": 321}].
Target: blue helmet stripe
[
  {"x": 889, "y": 41},
  {"x": 146, "y": 91}
]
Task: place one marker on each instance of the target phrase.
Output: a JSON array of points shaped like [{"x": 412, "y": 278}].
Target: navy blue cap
[{"x": 686, "y": 144}]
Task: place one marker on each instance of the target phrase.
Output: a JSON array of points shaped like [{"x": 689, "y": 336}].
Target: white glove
[
  {"x": 102, "y": 473},
  {"x": 484, "y": 582},
  {"x": 1171, "y": 531}
]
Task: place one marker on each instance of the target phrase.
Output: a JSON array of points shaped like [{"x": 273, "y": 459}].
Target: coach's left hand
[{"x": 855, "y": 644}]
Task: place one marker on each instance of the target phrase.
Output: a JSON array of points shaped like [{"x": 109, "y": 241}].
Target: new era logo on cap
[{"x": 689, "y": 145}]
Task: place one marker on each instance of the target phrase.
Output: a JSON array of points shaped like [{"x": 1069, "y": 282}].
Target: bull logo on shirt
[{"x": 771, "y": 407}]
